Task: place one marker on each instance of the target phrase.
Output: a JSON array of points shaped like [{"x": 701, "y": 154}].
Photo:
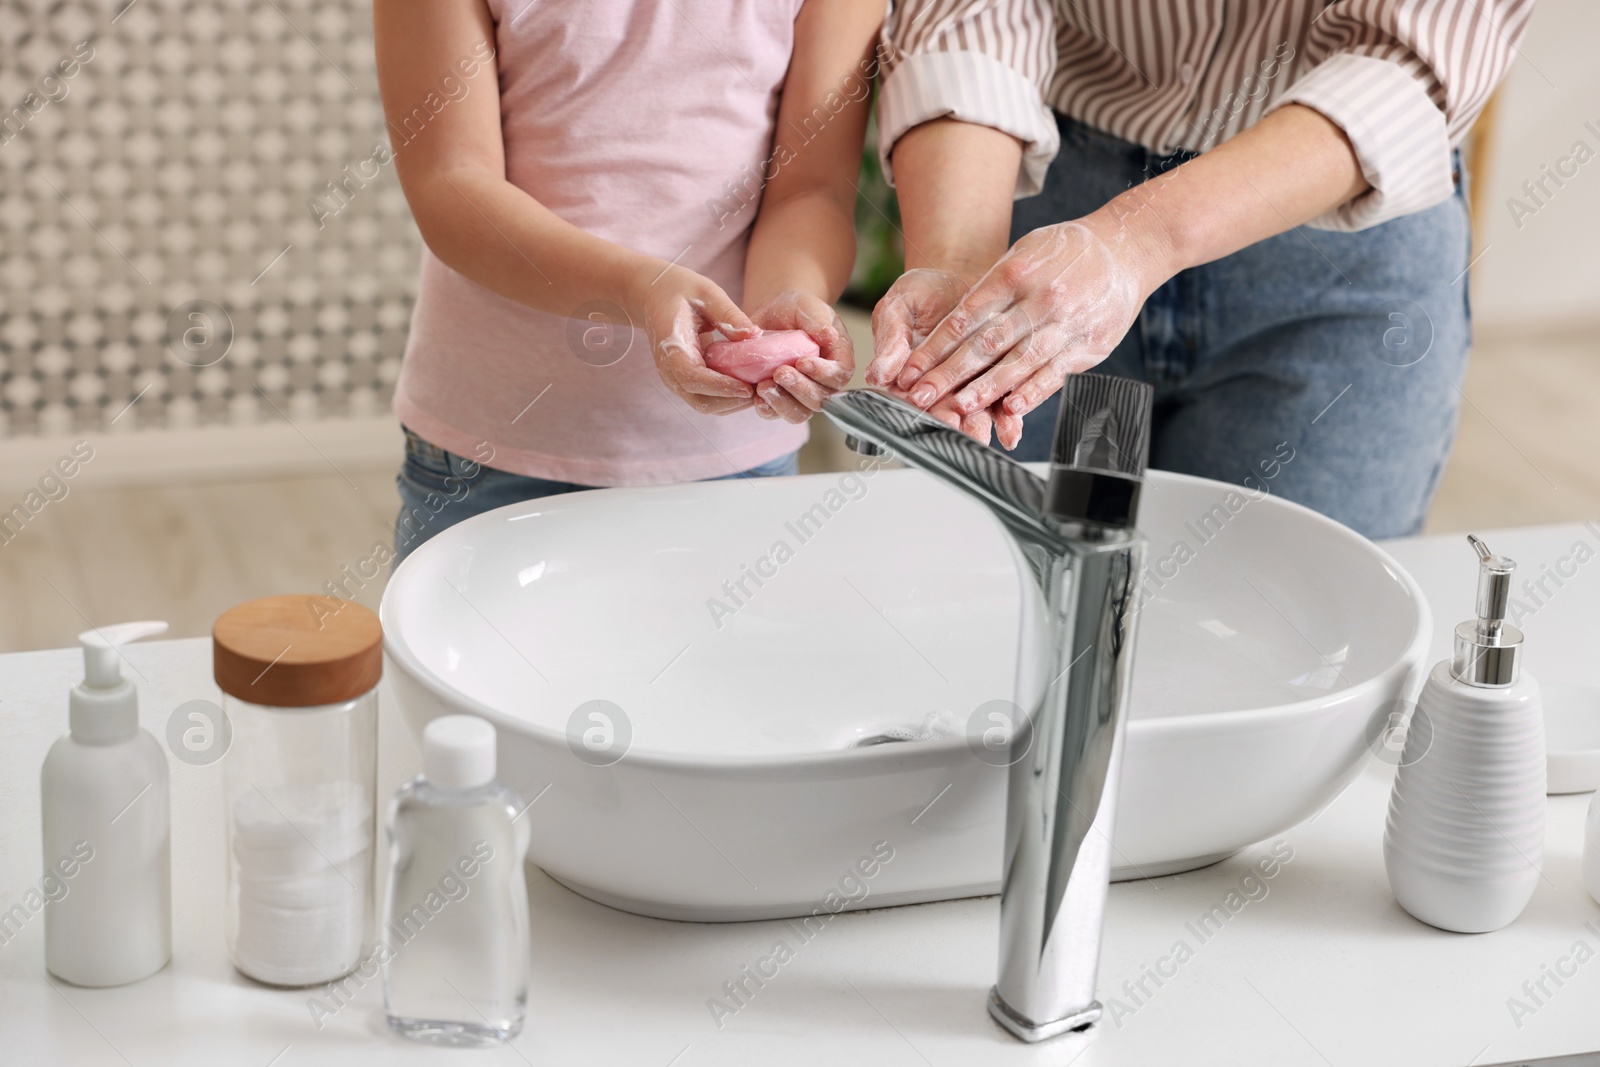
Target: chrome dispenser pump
[
  {"x": 1075, "y": 534},
  {"x": 1487, "y": 648}
]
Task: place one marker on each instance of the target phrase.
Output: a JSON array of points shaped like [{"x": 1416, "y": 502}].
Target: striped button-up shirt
[{"x": 1404, "y": 79}]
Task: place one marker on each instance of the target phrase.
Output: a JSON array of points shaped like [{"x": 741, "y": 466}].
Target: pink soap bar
[{"x": 755, "y": 360}]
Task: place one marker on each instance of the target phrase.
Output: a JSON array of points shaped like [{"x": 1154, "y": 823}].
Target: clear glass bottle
[
  {"x": 300, "y": 781},
  {"x": 455, "y": 930}
]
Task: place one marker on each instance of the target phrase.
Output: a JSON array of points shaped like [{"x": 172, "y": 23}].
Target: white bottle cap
[{"x": 458, "y": 752}]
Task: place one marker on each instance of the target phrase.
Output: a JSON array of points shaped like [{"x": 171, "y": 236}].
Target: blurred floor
[
  {"x": 1526, "y": 454},
  {"x": 1529, "y": 435}
]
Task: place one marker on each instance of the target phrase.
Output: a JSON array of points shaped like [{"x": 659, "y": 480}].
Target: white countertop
[{"x": 1323, "y": 969}]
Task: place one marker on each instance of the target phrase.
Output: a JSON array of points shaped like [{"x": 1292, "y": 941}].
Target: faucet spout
[
  {"x": 1075, "y": 533},
  {"x": 862, "y": 447}
]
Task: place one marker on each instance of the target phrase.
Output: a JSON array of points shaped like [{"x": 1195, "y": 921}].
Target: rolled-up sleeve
[
  {"x": 1405, "y": 79},
  {"x": 982, "y": 61}
]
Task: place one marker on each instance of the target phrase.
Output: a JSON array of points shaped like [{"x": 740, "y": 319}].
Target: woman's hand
[
  {"x": 796, "y": 393},
  {"x": 1056, "y": 304},
  {"x": 677, "y": 308}
]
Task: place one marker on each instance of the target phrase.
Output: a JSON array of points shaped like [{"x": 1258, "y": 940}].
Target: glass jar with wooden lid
[{"x": 299, "y": 678}]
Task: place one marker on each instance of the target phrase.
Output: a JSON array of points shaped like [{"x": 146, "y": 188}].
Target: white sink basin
[{"x": 725, "y": 779}]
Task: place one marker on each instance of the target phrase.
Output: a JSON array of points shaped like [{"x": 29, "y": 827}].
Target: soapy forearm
[
  {"x": 805, "y": 243},
  {"x": 490, "y": 231},
  {"x": 1062, "y": 298},
  {"x": 803, "y": 238},
  {"x": 798, "y": 262},
  {"x": 954, "y": 182},
  {"x": 1288, "y": 169},
  {"x": 802, "y": 245},
  {"x": 500, "y": 237}
]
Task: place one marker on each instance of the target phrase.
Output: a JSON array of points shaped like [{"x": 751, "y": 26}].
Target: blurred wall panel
[{"x": 196, "y": 227}]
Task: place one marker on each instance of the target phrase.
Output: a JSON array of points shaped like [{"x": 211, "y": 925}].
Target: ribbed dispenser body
[{"x": 1464, "y": 843}]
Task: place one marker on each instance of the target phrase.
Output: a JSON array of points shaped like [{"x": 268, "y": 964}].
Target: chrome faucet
[{"x": 1075, "y": 537}]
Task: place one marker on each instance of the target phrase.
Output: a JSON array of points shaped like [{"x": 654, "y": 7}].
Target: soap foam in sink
[
  {"x": 930, "y": 727},
  {"x": 757, "y": 359}
]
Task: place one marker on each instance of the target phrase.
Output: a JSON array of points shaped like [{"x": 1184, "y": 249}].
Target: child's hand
[
  {"x": 796, "y": 393},
  {"x": 914, "y": 305},
  {"x": 678, "y": 309},
  {"x": 979, "y": 425}
]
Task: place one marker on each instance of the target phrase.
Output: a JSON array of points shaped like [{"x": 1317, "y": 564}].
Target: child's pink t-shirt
[{"x": 648, "y": 123}]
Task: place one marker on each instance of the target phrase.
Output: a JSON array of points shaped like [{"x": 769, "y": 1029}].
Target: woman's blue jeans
[{"x": 1346, "y": 349}]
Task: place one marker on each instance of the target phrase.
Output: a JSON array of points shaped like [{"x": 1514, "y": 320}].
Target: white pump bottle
[
  {"x": 1465, "y": 837},
  {"x": 107, "y": 828}
]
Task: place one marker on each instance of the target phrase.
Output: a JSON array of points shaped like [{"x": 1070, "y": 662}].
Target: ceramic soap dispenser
[{"x": 1465, "y": 835}]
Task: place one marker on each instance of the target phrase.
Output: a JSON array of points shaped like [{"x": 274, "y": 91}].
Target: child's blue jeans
[{"x": 438, "y": 489}]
